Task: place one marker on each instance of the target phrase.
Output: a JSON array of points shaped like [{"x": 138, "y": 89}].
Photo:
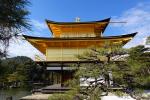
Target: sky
[{"x": 136, "y": 14}]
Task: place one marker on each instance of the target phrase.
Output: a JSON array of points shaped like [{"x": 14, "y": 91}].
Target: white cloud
[
  {"x": 138, "y": 20},
  {"x": 38, "y": 25},
  {"x": 20, "y": 47},
  {"x": 37, "y": 28}
]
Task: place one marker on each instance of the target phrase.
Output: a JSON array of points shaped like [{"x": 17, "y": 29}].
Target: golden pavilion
[{"x": 70, "y": 39}]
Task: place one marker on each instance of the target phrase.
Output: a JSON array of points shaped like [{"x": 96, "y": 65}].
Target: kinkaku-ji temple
[{"x": 70, "y": 39}]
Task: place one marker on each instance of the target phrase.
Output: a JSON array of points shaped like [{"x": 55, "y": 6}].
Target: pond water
[{"x": 15, "y": 93}]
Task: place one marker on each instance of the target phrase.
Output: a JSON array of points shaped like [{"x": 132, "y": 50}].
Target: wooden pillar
[{"x": 62, "y": 75}]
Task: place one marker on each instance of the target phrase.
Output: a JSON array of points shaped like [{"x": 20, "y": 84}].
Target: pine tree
[
  {"x": 148, "y": 40},
  {"x": 114, "y": 70},
  {"x": 13, "y": 20}
]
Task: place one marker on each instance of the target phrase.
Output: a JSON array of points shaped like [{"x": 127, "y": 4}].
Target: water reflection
[{"x": 15, "y": 93}]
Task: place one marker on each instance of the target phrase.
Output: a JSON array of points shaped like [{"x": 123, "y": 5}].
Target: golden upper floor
[{"x": 77, "y": 29}]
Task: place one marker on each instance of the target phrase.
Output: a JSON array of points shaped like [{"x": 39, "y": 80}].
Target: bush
[{"x": 60, "y": 97}]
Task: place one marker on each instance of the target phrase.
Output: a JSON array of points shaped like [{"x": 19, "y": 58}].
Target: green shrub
[{"x": 60, "y": 97}]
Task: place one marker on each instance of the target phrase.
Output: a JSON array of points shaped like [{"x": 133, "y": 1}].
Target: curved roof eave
[
  {"x": 81, "y": 38},
  {"x": 88, "y": 22}
]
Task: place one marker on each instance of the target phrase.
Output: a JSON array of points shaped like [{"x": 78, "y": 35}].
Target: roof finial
[{"x": 77, "y": 19}]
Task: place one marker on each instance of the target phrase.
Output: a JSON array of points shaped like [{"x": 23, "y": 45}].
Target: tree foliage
[
  {"x": 148, "y": 40},
  {"x": 114, "y": 70},
  {"x": 13, "y": 20},
  {"x": 20, "y": 70}
]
